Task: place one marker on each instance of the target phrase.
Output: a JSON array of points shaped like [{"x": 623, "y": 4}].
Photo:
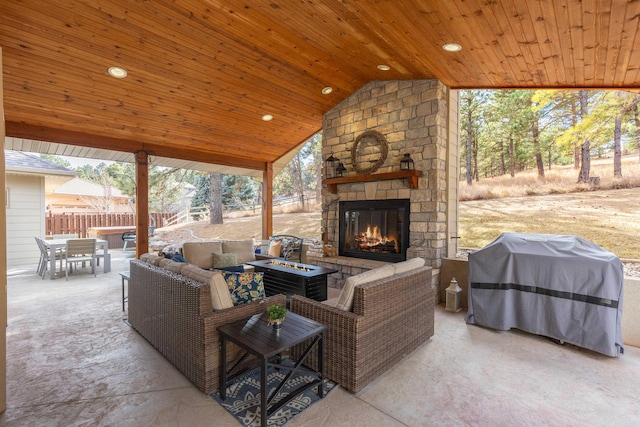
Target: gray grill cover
[{"x": 562, "y": 287}]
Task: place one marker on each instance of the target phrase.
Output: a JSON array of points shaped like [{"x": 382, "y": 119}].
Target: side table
[
  {"x": 261, "y": 340},
  {"x": 125, "y": 278}
]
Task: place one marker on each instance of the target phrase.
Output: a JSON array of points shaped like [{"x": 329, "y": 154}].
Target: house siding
[{"x": 25, "y": 218}]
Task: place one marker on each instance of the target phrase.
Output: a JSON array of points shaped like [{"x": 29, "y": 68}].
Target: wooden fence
[{"x": 79, "y": 224}]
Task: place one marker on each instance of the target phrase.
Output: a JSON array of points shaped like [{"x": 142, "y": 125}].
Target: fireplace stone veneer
[{"x": 414, "y": 117}]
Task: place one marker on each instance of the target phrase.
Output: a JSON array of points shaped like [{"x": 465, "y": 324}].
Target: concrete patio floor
[{"x": 72, "y": 361}]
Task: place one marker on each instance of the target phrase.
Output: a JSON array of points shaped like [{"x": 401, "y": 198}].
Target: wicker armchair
[
  {"x": 175, "y": 314},
  {"x": 391, "y": 317}
]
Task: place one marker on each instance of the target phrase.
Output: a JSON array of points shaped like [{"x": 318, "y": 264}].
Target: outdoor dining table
[{"x": 55, "y": 244}]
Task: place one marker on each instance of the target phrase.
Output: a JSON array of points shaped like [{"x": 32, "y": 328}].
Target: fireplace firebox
[{"x": 374, "y": 229}]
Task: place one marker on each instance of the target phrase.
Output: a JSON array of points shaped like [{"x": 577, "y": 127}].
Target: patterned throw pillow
[{"x": 245, "y": 287}]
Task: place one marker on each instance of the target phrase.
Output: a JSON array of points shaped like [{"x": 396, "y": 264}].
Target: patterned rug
[{"x": 243, "y": 397}]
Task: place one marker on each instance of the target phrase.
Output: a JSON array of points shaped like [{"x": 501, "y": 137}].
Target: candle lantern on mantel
[
  {"x": 407, "y": 164},
  {"x": 330, "y": 166},
  {"x": 340, "y": 170}
]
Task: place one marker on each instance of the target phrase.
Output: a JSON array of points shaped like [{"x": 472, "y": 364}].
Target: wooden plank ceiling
[{"x": 202, "y": 73}]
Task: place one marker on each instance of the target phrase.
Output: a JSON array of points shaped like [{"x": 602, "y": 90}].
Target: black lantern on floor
[
  {"x": 340, "y": 170},
  {"x": 406, "y": 164},
  {"x": 330, "y": 166}
]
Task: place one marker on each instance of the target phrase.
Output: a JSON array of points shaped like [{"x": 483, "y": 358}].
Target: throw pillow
[
  {"x": 245, "y": 287},
  {"x": 224, "y": 260},
  {"x": 345, "y": 301},
  {"x": 220, "y": 298},
  {"x": 275, "y": 247},
  {"x": 233, "y": 268},
  {"x": 178, "y": 258}
]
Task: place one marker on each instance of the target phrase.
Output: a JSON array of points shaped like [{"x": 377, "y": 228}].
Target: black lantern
[
  {"x": 406, "y": 164},
  {"x": 330, "y": 166},
  {"x": 340, "y": 170}
]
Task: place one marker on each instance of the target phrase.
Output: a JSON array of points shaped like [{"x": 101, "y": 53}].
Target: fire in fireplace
[{"x": 374, "y": 229}]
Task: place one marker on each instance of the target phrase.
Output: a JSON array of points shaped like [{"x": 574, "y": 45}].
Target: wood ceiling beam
[{"x": 40, "y": 133}]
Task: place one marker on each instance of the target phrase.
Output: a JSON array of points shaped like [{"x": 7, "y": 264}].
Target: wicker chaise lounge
[{"x": 390, "y": 318}]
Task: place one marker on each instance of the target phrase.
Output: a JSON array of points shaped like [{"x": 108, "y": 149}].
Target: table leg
[
  {"x": 223, "y": 369},
  {"x": 52, "y": 261},
  {"x": 264, "y": 390},
  {"x": 107, "y": 257},
  {"x": 321, "y": 365}
]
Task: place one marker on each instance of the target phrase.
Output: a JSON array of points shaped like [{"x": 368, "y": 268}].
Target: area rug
[{"x": 243, "y": 397}]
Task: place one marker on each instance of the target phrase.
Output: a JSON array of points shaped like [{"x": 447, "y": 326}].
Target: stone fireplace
[{"x": 418, "y": 117}]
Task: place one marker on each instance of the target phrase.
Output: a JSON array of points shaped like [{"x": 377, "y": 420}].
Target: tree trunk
[
  {"x": 476, "y": 172},
  {"x": 502, "y": 162},
  {"x": 536, "y": 147},
  {"x": 636, "y": 118},
  {"x": 469, "y": 148},
  {"x": 215, "y": 200},
  {"x": 617, "y": 149},
  {"x": 512, "y": 157},
  {"x": 576, "y": 147},
  {"x": 585, "y": 158}
]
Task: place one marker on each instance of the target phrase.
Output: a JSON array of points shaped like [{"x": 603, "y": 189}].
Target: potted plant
[{"x": 276, "y": 315}]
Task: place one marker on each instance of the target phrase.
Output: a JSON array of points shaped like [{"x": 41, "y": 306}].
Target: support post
[
  {"x": 3, "y": 260},
  {"x": 142, "y": 203},
  {"x": 267, "y": 202}
]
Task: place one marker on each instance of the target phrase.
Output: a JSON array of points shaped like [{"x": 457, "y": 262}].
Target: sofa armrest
[
  {"x": 379, "y": 300},
  {"x": 238, "y": 312},
  {"x": 325, "y": 314}
]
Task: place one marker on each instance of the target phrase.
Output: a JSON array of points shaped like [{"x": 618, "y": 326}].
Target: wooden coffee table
[
  {"x": 281, "y": 277},
  {"x": 261, "y": 340}
]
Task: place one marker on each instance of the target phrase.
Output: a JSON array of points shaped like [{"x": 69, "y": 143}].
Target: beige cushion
[
  {"x": 171, "y": 265},
  {"x": 345, "y": 301},
  {"x": 154, "y": 259},
  {"x": 275, "y": 247},
  {"x": 225, "y": 260},
  {"x": 410, "y": 264},
  {"x": 242, "y": 248},
  {"x": 201, "y": 253},
  {"x": 220, "y": 297},
  {"x": 146, "y": 258}
]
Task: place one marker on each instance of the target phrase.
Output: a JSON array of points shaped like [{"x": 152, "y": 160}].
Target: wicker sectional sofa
[
  {"x": 175, "y": 314},
  {"x": 389, "y": 318}
]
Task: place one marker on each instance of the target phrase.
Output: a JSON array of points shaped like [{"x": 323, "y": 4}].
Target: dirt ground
[{"x": 610, "y": 219}]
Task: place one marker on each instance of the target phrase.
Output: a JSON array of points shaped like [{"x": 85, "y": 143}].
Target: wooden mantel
[{"x": 411, "y": 176}]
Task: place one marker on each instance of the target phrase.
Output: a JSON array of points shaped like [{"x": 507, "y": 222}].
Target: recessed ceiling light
[
  {"x": 452, "y": 47},
  {"x": 118, "y": 72},
  {"x": 267, "y": 117},
  {"x": 383, "y": 67},
  {"x": 327, "y": 90}
]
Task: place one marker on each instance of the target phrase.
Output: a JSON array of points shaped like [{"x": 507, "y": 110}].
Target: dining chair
[
  {"x": 80, "y": 250},
  {"x": 45, "y": 258}
]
